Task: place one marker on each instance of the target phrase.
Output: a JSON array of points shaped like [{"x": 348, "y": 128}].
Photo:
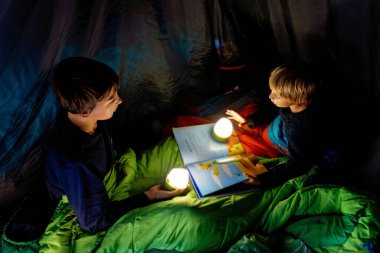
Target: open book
[{"x": 213, "y": 165}]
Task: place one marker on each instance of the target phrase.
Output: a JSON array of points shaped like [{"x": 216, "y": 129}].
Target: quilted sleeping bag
[{"x": 298, "y": 216}]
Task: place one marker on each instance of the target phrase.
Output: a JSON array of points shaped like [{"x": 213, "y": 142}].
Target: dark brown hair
[{"x": 79, "y": 83}]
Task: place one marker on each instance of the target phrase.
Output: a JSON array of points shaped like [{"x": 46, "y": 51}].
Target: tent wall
[{"x": 167, "y": 51}]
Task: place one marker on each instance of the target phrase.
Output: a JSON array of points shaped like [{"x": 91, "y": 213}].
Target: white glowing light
[
  {"x": 178, "y": 178},
  {"x": 223, "y": 128}
]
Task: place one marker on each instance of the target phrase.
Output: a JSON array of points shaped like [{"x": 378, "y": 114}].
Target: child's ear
[{"x": 84, "y": 114}]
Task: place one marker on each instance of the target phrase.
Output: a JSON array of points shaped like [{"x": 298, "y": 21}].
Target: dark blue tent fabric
[
  {"x": 149, "y": 43},
  {"x": 167, "y": 51}
]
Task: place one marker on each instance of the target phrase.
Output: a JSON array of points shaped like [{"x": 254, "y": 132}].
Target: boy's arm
[
  {"x": 89, "y": 199},
  {"x": 301, "y": 152}
]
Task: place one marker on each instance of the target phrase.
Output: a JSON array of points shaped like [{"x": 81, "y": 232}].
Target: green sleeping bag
[{"x": 294, "y": 217}]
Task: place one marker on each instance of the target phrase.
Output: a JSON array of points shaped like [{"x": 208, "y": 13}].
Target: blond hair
[{"x": 294, "y": 82}]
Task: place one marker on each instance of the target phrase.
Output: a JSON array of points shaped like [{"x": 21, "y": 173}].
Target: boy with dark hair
[{"x": 81, "y": 154}]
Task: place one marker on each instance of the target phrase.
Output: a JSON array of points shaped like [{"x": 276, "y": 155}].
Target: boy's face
[
  {"x": 105, "y": 108},
  {"x": 279, "y": 101}
]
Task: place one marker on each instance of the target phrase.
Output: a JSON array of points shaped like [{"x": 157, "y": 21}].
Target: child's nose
[{"x": 118, "y": 100}]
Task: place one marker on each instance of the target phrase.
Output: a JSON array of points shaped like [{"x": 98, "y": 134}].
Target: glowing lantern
[
  {"x": 223, "y": 129},
  {"x": 178, "y": 178}
]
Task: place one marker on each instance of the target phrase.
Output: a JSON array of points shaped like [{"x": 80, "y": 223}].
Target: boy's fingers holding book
[
  {"x": 253, "y": 158},
  {"x": 248, "y": 166},
  {"x": 252, "y": 168},
  {"x": 260, "y": 168},
  {"x": 252, "y": 180}
]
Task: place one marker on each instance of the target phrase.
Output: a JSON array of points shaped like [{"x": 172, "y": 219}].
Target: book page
[
  {"x": 197, "y": 143},
  {"x": 211, "y": 176}
]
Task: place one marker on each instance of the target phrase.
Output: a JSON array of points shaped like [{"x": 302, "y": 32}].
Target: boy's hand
[
  {"x": 252, "y": 167},
  {"x": 156, "y": 192},
  {"x": 236, "y": 117},
  {"x": 252, "y": 180}
]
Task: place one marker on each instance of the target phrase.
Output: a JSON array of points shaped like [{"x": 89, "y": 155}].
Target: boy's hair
[
  {"x": 295, "y": 81},
  {"x": 79, "y": 83}
]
